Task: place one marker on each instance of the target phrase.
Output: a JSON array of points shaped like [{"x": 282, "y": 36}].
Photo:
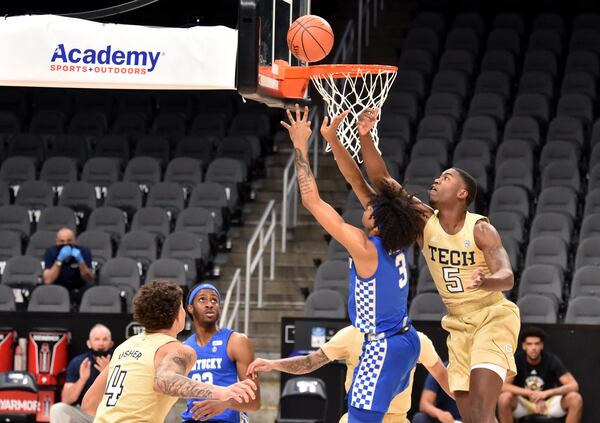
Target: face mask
[{"x": 99, "y": 353}]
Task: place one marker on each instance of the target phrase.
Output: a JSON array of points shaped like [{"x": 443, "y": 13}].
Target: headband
[{"x": 201, "y": 287}]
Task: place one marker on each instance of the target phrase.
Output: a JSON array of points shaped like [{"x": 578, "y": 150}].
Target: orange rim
[{"x": 336, "y": 71}]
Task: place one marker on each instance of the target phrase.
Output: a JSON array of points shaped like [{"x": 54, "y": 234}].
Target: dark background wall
[{"x": 577, "y": 345}]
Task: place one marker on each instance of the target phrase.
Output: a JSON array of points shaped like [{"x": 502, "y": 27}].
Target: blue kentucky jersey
[
  {"x": 379, "y": 303},
  {"x": 213, "y": 366}
]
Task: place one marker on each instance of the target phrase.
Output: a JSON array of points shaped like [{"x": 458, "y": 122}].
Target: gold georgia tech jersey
[
  {"x": 451, "y": 260},
  {"x": 129, "y": 394}
]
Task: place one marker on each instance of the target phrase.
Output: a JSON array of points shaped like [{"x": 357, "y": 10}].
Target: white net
[{"x": 356, "y": 92}]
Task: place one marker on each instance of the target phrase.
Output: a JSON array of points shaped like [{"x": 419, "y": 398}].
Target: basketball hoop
[{"x": 343, "y": 87}]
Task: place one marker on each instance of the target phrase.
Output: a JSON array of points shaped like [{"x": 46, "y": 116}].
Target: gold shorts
[{"x": 489, "y": 335}]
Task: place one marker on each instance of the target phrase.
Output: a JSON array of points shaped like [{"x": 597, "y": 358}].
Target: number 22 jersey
[{"x": 213, "y": 366}]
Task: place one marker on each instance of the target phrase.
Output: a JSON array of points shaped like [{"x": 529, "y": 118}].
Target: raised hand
[
  {"x": 367, "y": 121},
  {"x": 102, "y": 362},
  {"x": 329, "y": 130},
  {"x": 259, "y": 365},
  {"x": 477, "y": 279},
  {"x": 76, "y": 254},
  {"x": 207, "y": 409},
  {"x": 64, "y": 253},
  {"x": 241, "y": 392},
  {"x": 299, "y": 127},
  {"x": 85, "y": 369}
]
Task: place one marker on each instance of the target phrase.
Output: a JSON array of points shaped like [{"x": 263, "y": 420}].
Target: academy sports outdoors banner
[{"x": 54, "y": 51}]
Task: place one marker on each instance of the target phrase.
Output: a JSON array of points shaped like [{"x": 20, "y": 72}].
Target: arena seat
[
  {"x": 333, "y": 274},
  {"x": 139, "y": 246},
  {"x": 101, "y": 299},
  {"x": 325, "y": 303},
  {"x": 427, "y": 306},
  {"x": 7, "y": 299},
  {"x": 50, "y": 298},
  {"x": 536, "y": 308},
  {"x": 57, "y": 217}
]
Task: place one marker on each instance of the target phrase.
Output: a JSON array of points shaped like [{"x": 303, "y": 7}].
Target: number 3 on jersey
[
  {"x": 401, "y": 265},
  {"x": 114, "y": 387},
  {"x": 453, "y": 282}
]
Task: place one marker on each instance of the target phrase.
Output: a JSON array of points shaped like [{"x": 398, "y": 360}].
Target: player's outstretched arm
[
  {"x": 174, "y": 360},
  {"x": 440, "y": 374},
  {"x": 374, "y": 164},
  {"x": 501, "y": 278},
  {"x": 93, "y": 396},
  {"x": 352, "y": 238},
  {"x": 348, "y": 167},
  {"x": 294, "y": 365}
]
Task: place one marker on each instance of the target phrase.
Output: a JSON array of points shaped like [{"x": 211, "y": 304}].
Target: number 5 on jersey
[
  {"x": 114, "y": 387},
  {"x": 453, "y": 282}
]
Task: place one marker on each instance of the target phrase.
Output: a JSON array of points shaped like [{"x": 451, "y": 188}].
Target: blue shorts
[{"x": 383, "y": 371}]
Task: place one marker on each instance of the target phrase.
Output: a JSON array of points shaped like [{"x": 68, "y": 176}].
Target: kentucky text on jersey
[
  {"x": 106, "y": 56},
  {"x": 208, "y": 364},
  {"x": 452, "y": 257}
]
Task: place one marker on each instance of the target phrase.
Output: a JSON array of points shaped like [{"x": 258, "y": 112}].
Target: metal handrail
[
  {"x": 233, "y": 321},
  {"x": 289, "y": 202},
  {"x": 345, "y": 49},
  {"x": 265, "y": 235},
  {"x": 364, "y": 14}
]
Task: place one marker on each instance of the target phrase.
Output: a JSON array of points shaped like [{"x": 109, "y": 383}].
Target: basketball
[{"x": 310, "y": 38}]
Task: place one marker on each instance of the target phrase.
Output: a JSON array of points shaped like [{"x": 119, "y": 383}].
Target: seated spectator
[
  {"x": 543, "y": 385},
  {"x": 435, "y": 405},
  {"x": 81, "y": 373},
  {"x": 68, "y": 264}
]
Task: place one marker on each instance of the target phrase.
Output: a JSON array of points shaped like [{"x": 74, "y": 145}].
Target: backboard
[{"x": 262, "y": 40}]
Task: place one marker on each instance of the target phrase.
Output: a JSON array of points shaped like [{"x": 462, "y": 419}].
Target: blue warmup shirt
[
  {"x": 214, "y": 366},
  {"x": 380, "y": 303}
]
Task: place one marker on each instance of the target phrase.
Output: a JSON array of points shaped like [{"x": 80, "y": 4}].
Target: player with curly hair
[
  {"x": 470, "y": 267},
  {"x": 148, "y": 372},
  {"x": 377, "y": 304}
]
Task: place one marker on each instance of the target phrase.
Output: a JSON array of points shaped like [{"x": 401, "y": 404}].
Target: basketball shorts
[
  {"x": 384, "y": 371},
  {"x": 489, "y": 335},
  {"x": 388, "y": 418},
  {"x": 527, "y": 408}
]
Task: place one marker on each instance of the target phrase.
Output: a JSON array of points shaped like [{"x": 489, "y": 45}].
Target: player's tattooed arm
[
  {"x": 302, "y": 364},
  {"x": 175, "y": 361},
  {"x": 501, "y": 277},
  {"x": 294, "y": 365},
  {"x": 170, "y": 379},
  {"x": 352, "y": 238}
]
